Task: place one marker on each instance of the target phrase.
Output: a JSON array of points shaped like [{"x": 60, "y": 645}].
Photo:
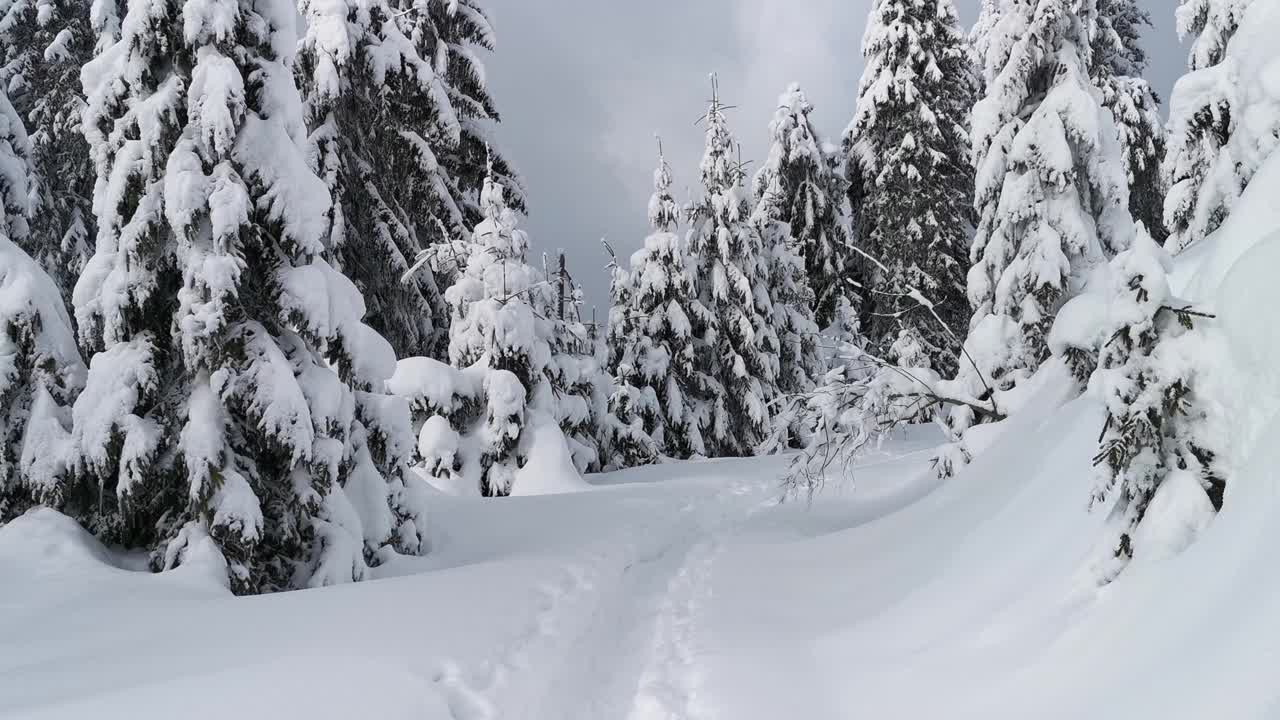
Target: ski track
[{"x": 618, "y": 623}]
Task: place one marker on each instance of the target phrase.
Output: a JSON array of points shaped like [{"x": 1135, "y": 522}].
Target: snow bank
[
  {"x": 47, "y": 542},
  {"x": 549, "y": 468}
]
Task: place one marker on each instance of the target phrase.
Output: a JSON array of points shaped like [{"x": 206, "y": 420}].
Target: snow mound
[
  {"x": 1178, "y": 513},
  {"x": 549, "y": 468},
  {"x": 46, "y": 541}
]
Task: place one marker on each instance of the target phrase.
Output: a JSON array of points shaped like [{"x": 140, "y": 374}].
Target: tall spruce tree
[
  {"x": 909, "y": 140},
  {"x": 1051, "y": 194},
  {"x": 790, "y": 199},
  {"x": 379, "y": 114},
  {"x": 40, "y": 366},
  {"x": 738, "y": 347},
  {"x": 813, "y": 202},
  {"x": 1119, "y": 62},
  {"x": 653, "y": 349},
  {"x": 43, "y": 45},
  {"x": 398, "y": 105},
  {"x": 448, "y": 34},
  {"x": 1203, "y": 176},
  {"x": 235, "y": 397}
]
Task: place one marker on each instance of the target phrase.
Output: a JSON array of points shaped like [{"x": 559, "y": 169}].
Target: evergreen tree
[
  {"x": 628, "y": 441},
  {"x": 40, "y": 366},
  {"x": 790, "y": 193},
  {"x": 909, "y": 140},
  {"x": 1203, "y": 176},
  {"x": 575, "y": 373},
  {"x": 448, "y": 33},
  {"x": 236, "y": 396},
  {"x": 738, "y": 348},
  {"x": 980, "y": 35},
  {"x": 811, "y": 199},
  {"x": 500, "y": 334},
  {"x": 1051, "y": 193},
  {"x": 1119, "y": 62},
  {"x": 1148, "y": 364},
  {"x": 45, "y": 43},
  {"x": 651, "y": 333},
  {"x": 379, "y": 114}
]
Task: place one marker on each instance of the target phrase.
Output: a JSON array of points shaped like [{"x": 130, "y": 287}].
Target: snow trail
[
  {"x": 614, "y": 636},
  {"x": 635, "y": 658}
]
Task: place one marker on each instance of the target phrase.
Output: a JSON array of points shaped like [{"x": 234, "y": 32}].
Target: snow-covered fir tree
[
  {"x": 1051, "y": 189},
  {"x": 1144, "y": 360},
  {"x": 980, "y": 35},
  {"x": 40, "y": 365},
  {"x": 790, "y": 193},
  {"x": 500, "y": 334},
  {"x": 449, "y": 34},
  {"x": 379, "y": 114},
  {"x": 236, "y": 400},
  {"x": 653, "y": 350},
  {"x": 738, "y": 348},
  {"x": 1119, "y": 62},
  {"x": 578, "y": 382},
  {"x": 810, "y": 197},
  {"x": 627, "y": 442},
  {"x": 909, "y": 140},
  {"x": 1051, "y": 193},
  {"x": 45, "y": 43},
  {"x": 1204, "y": 176}
]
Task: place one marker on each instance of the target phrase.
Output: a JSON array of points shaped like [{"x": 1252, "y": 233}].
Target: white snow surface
[{"x": 686, "y": 591}]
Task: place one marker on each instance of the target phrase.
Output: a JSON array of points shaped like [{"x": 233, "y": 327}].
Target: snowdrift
[{"x": 977, "y": 601}]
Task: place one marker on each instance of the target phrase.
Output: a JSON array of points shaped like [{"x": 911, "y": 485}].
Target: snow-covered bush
[
  {"x": 858, "y": 404},
  {"x": 1149, "y": 361}
]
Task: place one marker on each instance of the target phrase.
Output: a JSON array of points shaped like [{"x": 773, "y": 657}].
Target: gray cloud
[{"x": 583, "y": 86}]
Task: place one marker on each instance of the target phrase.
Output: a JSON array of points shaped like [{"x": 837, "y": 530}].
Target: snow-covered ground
[{"x": 687, "y": 591}]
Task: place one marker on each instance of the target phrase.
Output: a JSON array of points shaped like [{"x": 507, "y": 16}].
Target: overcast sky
[{"x": 583, "y": 86}]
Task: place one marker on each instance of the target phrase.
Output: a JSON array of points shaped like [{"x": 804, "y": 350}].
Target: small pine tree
[
  {"x": 1147, "y": 375},
  {"x": 1203, "y": 180},
  {"x": 1119, "y": 62},
  {"x": 45, "y": 44},
  {"x": 739, "y": 347},
  {"x": 40, "y": 366},
  {"x": 576, "y": 380},
  {"x": 909, "y": 140},
  {"x": 652, "y": 347},
  {"x": 498, "y": 331}
]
